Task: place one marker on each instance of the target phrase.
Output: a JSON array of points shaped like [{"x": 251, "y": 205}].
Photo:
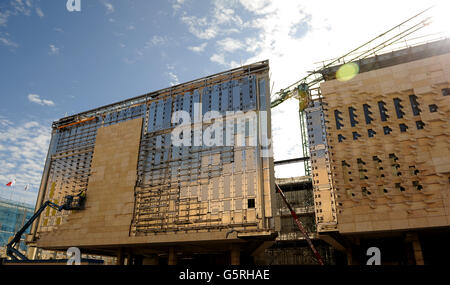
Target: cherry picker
[{"x": 71, "y": 202}]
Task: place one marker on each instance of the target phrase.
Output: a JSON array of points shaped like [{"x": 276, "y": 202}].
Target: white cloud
[
  {"x": 39, "y": 12},
  {"x": 199, "y": 48},
  {"x": 200, "y": 27},
  {"x": 23, "y": 148},
  {"x": 36, "y": 99},
  {"x": 109, "y": 7},
  {"x": 224, "y": 13},
  {"x": 4, "y": 122},
  {"x": 170, "y": 66},
  {"x": 218, "y": 58},
  {"x": 255, "y": 5},
  {"x": 177, "y": 5},
  {"x": 131, "y": 27},
  {"x": 4, "y": 15},
  {"x": 222, "y": 21},
  {"x": 156, "y": 41},
  {"x": 173, "y": 78},
  {"x": 230, "y": 44},
  {"x": 8, "y": 42},
  {"x": 16, "y": 8},
  {"x": 59, "y": 30},
  {"x": 31, "y": 125},
  {"x": 53, "y": 50}
]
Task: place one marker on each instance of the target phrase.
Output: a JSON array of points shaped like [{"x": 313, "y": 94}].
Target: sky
[{"x": 54, "y": 62}]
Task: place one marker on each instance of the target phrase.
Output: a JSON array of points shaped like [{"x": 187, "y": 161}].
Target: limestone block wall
[
  {"x": 110, "y": 197},
  {"x": 388, "y": 136}
]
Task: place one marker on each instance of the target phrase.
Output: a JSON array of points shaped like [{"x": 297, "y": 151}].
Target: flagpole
[
  {"x": 12, "y": 192},
  {"x": 12, "y": 184}
]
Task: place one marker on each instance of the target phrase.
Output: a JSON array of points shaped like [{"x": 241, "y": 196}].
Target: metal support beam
[
  {"x": 172, "y": 256},
  {"x": 292, "y": 160}
]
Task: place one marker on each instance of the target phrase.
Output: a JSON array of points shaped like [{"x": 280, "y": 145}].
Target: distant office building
[{"x": 12, "y": 216}]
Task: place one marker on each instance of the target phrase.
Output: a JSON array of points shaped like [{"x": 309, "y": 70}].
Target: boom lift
[{"x": 71, "y": 202}]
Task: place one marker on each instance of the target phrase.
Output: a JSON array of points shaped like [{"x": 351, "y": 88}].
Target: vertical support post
[
  {"x": 130, "y": 257},
  {"x": 172, "y": 256},
  {"x": 349, "y": 256},
  {"x": 418, "y": 256},
  {"x": 413, "y": 238},
  {"x": 235, "y": 255},
  {"x": 120, "y": 257}
]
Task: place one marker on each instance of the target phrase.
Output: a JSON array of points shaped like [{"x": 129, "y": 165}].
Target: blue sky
[{"x": 55, "y": 63}]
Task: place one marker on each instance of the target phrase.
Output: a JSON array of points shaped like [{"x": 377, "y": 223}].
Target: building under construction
[
  {"x": 380, "y": 156},
  {"x": 150, "y": 200},
  {"x": 378, "y": 170}
]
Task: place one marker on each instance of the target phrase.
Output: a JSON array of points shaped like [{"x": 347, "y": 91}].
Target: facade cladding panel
[
  {"x": 324, "y": 196},
  {"x": 196, "y": 186}
]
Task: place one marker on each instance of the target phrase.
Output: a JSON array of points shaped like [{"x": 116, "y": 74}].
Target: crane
[
  {"x": 302, "y": 89},
  {"x": 71, "y": 202}
]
